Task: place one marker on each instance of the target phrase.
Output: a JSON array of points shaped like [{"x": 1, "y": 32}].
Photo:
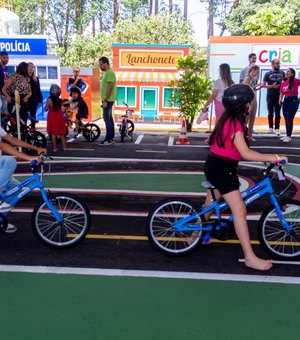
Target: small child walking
[{"x": 56, "y": 124}]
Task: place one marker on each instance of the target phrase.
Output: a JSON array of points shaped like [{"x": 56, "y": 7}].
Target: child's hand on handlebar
[
  {"x": 281, "y": 159},
  {"x": 35, "y": 158}
]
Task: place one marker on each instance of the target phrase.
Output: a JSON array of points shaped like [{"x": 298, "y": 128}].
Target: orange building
[{"x": 143, "y": 76}]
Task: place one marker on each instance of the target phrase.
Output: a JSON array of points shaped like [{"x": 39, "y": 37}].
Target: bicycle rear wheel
[
  {"x": 122, "y": 130},
  {"x": 36, "y": 138},
  {"x": 272, "y": 235},
  {"x": 91, "y": 132},
  {"x": 160, "y": 229},
  {"x": 73, "y": 228}
]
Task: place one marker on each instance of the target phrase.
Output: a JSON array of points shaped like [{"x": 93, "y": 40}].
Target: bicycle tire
[
  {"x": 91, "y": 132},
  {"x": 159, "y": 227},
  {"x": 274, "y": 238},
  {"x": 36, "y": 138},
  {"x": 122, "y": 130},
  {"x": 130, "y": 126},
  {"x": 76, "y": 221}
]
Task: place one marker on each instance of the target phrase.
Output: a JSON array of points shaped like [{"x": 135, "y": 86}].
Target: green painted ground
[
  {"x": 44, "y": 306},
  {"x": 127, "y": 181}
]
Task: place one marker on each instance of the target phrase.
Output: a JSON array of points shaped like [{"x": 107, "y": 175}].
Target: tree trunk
[
  {"x": 185, "y": 9},
  {"x": 116, "y": 12},
  {"x": 150, "y": 7},
  {"x": 156, "y": 7},
  {"x": 210, "y": 19},
  {"x": 170, "y": 6}
]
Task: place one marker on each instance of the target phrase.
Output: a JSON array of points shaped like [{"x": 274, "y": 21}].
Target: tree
[
  {"x": 159, "y": 29},
  {"x": 262, "y": 17},
  {"x": 192, "y": 88}
]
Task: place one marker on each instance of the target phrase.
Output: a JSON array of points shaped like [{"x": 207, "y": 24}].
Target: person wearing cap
[{"x": 228, "y": 144}]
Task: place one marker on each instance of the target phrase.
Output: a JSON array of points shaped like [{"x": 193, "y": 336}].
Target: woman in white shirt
[{"x": 219, "y": 86}]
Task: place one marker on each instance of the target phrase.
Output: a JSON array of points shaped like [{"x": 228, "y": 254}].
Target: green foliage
[
  {"x": 193, "y": 87},
  {"x": 262, "y": 17},
  {"x": 158, "y": 29},
  {"x": 85, "y": 51}
]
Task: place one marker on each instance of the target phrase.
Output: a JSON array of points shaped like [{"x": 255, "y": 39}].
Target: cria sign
[
  {"x": 23, "y": 46},
  {"x": 287, "y": 54}
]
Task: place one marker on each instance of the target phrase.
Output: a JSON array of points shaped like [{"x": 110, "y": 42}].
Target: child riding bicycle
[
  {"x": 8, "y": 165},
  {"x": 228, "y": 144},
  {"x": 77, "y": 103}
]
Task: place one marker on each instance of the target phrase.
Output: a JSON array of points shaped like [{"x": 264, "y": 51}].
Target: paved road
[{"x": 121, "y": 183}]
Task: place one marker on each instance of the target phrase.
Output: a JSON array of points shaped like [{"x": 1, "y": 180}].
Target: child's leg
[
  {"x": 207, "y": 203},
  {"x": 238, "y": 209},
  {"x": 54, "y": 142},
  {"x": 63, "y": 142},
  {"x": 76, "y": 125}
]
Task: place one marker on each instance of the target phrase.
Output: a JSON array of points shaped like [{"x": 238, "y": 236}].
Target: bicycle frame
[
  {"x": 25, "y": 187},
  {"x": 249, "y": 196}
]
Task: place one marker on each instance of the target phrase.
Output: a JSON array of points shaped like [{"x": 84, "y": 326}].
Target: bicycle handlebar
[
  {"x": 34, "y": 164},
  {"x": 272, "y": 165}
]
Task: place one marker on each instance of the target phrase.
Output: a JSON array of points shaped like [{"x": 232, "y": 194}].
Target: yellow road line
[{"x": 145, "y": 238}]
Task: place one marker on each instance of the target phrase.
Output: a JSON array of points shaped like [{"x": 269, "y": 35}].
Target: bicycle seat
[{"x": 207, "y": 185}]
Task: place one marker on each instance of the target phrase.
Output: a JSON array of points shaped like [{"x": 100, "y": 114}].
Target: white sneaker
[
  {"x": 11, "y": 229},
  {"x": 5, "y": 207},
  {"x": 282, "y": 138},
  {"x": 270, "y": 130},
  {"x": 277, "y": 132},
  {"x": 287, "y": 139}
]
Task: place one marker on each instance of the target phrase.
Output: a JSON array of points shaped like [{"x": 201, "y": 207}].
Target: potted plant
[{"x": 192, "y": 89}]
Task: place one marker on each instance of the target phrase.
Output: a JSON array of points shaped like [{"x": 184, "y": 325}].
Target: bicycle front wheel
[
  {"x": 161, "y": 231},
  {"x": 91, "y": 132},
  {"x": 274, "y": 238},
  {"x": 72, "y": 229}
]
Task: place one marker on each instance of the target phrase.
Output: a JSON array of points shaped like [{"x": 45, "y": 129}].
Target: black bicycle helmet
[
  {"x": 237, "y": 96},
  {"x": 76, "y": 90},
  {"x": 55, "y": 90}
]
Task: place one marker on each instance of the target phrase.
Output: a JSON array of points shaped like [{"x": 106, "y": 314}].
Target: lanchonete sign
[{"x": 149, "y": 59}]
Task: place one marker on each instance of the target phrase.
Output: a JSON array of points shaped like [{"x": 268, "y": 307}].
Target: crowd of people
[{"x": 282, "y": 95}]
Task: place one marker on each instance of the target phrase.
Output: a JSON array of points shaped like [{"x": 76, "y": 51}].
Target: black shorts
[
  {"x": 81, "y": 115},
  {"x": 222, "y": 173}
]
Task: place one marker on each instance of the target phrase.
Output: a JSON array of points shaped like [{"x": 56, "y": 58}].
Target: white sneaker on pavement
[
  {"x": 277, "y": 132},
  {"x": 270, "y": 130},
  {"x": 287, "y": 139},
  {"x": 10, "y": 229}
]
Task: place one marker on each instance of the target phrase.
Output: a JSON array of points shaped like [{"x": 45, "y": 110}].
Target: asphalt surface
[{"x": 119, "y": 219}]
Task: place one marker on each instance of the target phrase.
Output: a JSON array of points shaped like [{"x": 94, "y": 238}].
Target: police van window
[
  {"x": 52, "y": 72},
  {"x": 42, "y": 72}
]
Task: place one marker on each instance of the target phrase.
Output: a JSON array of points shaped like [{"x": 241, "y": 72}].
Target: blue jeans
[
  {"x": 289, "y": 108},
  {"x": 109, "y": 122},
  {"x": 8, "y": 166},
  {"x": 3, "y": 104}
]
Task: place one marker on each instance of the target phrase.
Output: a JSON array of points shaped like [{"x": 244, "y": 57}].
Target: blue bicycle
[
  {"x": 177, "y": 226},
  {"x": 59, "y": 220}
]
